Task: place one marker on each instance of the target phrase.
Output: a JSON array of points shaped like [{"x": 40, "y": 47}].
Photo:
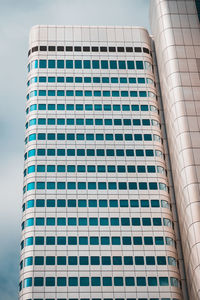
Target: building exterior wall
[
  {"x": 97, "y": 220},
  {"x": 175, "y": 28}
]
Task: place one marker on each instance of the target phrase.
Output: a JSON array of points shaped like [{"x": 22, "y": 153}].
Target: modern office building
[{"x": 107, "y": 209}]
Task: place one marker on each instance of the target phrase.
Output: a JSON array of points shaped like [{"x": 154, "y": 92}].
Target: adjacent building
[
  {"x": 176, "y": 30},
  {"x": 104, "y": 213}
]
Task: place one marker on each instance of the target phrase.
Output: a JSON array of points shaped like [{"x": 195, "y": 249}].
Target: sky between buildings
[{"x": 16, "y": 19}]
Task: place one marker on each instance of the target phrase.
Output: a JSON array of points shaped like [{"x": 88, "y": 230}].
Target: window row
[
  {"x": 72, "y": 185},
  {"x": 90, "y": 64},
  {"x": 91, "y": 107},
  {"x": 96, "y": 240},
  {"x": 92, "y": 137},
  {"x": 96, "y": 122},
  {"x": 96, "y": 79},
  {"x": 96, "y": 260},
  {"x": 100, "y": 281},
  {"x": 89, "y": 49},
  {"x": 90, "y": 93},
  {"x": 50, "y": 221},
  {"x": 94, "y": 169},
  {"x": 95, "y": 203},
  {"x": 94, "y": 152}
]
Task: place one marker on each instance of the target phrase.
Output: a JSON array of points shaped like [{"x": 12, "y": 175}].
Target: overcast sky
[{"x": 16, "y": 19}]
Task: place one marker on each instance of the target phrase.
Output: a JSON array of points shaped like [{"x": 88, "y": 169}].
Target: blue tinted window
[
  {"x": 131, "y": 66},
  {"x": 113, "y": 64},
  {"x": 51, "y": 79},
  {"x": 141, "y": 80},
  {"x": 60, "y": 64},
  {"x": 42, "y": 79},
  {"x": 87, "y": 79},
  {"x": 39, "y": 240},
  {"x": 69, "y": 64},
  {"x": 78, "y": 64},
  {"x": 51, "y": 64},
  {"x": 86, "y": 64},
  {"x": 60, "y": 79},
  {"x": 132, "y": 80},
  {"x": 69, "y": 79},
  {"x": 122, "y": 64},
  {"x": 104, "y": 64},
  {"x": 95, "y": 64},
  {"x": 114, "y": 80},
  {"x": 105, "y": 79},
  {"x": 42, "y": 63},
  {"x": 139, "y": 65},
  {"x": 123, "y": 80}
]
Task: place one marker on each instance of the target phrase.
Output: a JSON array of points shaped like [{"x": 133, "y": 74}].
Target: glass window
[
  {"x": 73, "y": 281},
  {"x": 130, "y": 65},
  {"x": 72, "y": 260},
  {"x": 122, "y": 64},
  {"x": 152, "y": 281},
  {"x": 113, "y": 64},
  {"x": 27, "y": 282},
  {"x": 105, "y": 79},
  {"x": 83, "y": 240},
  {"x": 105, "y": 240},
  {"x": 150, "y": 260},
  {"x": 129, "y": 281},
  {"x": 171, "y": 261},
  {"x": 128, "y": 260},
  {"x": 163, "y": 281},
  {"x": 72, "y": 240},
  {"x": 51, "y": 64},
  {"x": 86, "y": 64},
  {"x": 84, "y": 281},
  {"x": 28, "y": 261},
  {"x": 87, "y": 79},
  {"x": 39, "y": 240},
  {"x": 118, "y": 281},
  {"x": 148, "y": 240},
  {"x": 50, "y": 260},
  {"x": 117, "y": 260},
  {"x": 95, "y": 64},
  {"x": 141, "y": 281},
  {"x": 50, "y": 281},
  {"x": 139, "y": 64},
  {"x": 139, "y": 260},
  {"x": 106, "y": 260},
  {"x": 39, "y": 260},
  {"x": 104, "y": 64},
  {"x": 113, "y": 203},
  {"x": 61, "y": 281},
  {"x": 83, "y": 260},
  {"x": 61, "y": 221},
  {"x": 60, "y": 64},
  {"x": 94, "y": 241},
  {"x": 42, "y": 63},
  {"x": 61, "y": 240},
  {"x": 69, "y": 64},
  {"x": 40, "y": 203},
  {"x": 71, "y": 221},
  {"x": 115, "y": 240}
]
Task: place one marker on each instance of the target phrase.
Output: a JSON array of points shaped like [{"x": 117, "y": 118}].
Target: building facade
[
  {"x": 99, "y": 211},
  {"x": 176, "y": 30}
]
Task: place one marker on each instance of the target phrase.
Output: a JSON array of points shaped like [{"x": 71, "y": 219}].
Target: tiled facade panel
[
  {"x": 175, "y": 27},
  {"x": 97, "y": 220}
]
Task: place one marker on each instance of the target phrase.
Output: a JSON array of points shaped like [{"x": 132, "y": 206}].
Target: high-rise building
[{"x": 108, "y": 210}]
